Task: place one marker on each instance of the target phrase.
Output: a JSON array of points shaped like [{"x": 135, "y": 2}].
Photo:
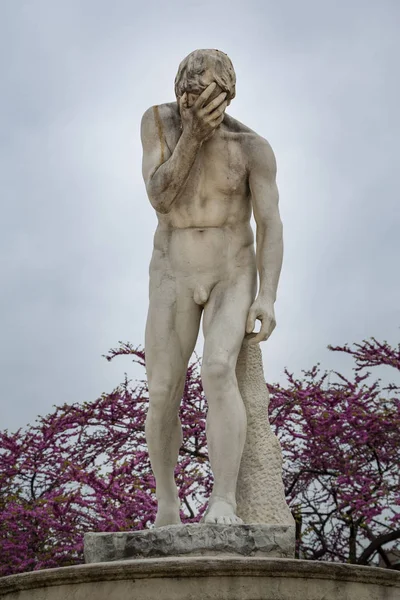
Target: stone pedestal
[
  {"x": 192, "y": 540},
  {"x": 203, "y": 578}
]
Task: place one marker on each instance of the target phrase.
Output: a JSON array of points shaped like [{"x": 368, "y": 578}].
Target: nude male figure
[{"x": 205, "y": 173}]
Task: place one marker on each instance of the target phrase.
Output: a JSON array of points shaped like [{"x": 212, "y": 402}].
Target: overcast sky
[{"x": 318, "y": 79}]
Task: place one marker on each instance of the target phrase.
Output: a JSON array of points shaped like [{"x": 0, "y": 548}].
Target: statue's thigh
[
  {"x": 172, "y": 327},
  {"x": 225, "y": 316}
]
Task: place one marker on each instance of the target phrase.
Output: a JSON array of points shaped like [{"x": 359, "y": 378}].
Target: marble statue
[{"x": 205, "y": 174}]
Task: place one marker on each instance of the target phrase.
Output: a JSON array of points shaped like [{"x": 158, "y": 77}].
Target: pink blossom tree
[
  {"x": 341, "y": 446},
  {"x": 85, "y": 466}
]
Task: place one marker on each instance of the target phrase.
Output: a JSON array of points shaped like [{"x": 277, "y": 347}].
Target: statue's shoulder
[
  {"x": 248, "y": 134},
  {"x": 166, "y": 115},
  {"x": 254, "y": 144},
  {"x": 236, "y": 126}
]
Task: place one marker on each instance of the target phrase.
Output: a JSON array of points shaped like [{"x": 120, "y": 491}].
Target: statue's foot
[
  {"x": 222, "y": 512},
  {"x": 167, "y": 514}
]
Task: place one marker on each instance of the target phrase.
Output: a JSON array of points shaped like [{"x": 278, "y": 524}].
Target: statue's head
[{"x": 202, "y": 67}]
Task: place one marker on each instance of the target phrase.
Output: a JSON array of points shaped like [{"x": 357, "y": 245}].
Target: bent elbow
[
  {"x": 159, "y": 203},
  {"x": 162, "y": 208}
]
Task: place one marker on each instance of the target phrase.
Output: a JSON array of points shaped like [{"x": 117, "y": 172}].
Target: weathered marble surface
[
  {"x": 191, "y": 540},
  {"x": 202, "y": 578},
  {"x": 205, "y": 175},
  {"x": 260, "y": 494}
]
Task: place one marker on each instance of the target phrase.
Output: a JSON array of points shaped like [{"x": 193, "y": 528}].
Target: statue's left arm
[{"x": 269, "y": 240}]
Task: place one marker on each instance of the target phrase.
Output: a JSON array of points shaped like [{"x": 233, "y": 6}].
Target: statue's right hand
[{"x": 202, "y": 119}]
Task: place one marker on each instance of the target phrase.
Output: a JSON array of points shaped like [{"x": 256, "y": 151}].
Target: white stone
[
  {"x": 205, "y": 173},
  {"x": 191, "y": 540},
  {"x": 260, "y": 493}
]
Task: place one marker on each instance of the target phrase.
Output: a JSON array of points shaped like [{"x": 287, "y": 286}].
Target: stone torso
[
  {"x": 208, "y": 227},
  {"x": 216, "y": 193}
]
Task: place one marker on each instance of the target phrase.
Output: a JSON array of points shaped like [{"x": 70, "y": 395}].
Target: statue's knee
[
  {"x": 162, "y": 395},
  {"x": 216, "y": 372}
]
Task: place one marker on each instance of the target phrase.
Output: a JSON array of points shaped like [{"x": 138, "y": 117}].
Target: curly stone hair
[{"x": 193, "y": 66}]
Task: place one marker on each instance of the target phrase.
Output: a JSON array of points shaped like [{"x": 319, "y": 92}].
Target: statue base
[
  {"x": 192, "y": 540},
  {"x": 205, "y": 578}
]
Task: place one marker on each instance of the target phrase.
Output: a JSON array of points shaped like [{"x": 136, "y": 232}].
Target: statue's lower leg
[
  {"x": 226, "y": 433},
  {"x": 164, "y": 438}
]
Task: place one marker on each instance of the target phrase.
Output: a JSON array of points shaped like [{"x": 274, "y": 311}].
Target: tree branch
[{"x": 376, "y": 544}]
